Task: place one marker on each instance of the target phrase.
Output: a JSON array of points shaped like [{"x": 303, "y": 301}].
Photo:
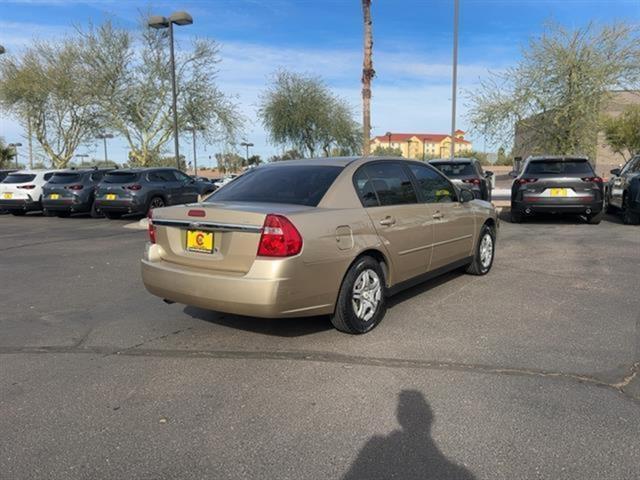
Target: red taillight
[
  {"x": 523, "y": 181},
  {"x": 196, "y": 213},
  {"x": 475, "y": 181},
  {"x": 27, "y": 187},
  {"x": 75, "y": 187},
  {"x": 592, "y": 179},
  {"x": 280, "y": 238},
  {"x": 151, "y": 227},
  {"x": 135, "y": 186}
]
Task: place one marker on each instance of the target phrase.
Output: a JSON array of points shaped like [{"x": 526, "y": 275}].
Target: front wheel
[
  {"x": 595, "y": 219},
  {"x": 629, "y": 217},
  {"x": 361, "y": 301},
  {"x": 485, "y": 251}
]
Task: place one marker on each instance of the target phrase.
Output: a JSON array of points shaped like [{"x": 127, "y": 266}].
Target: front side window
[
  {"x": 389, "y": 182},
  {"x": 632, "y": 166},
  {"x": 293, "y": 184},
  {"x": 183, "y": 178},
  {"x": 433, "y": 187}
]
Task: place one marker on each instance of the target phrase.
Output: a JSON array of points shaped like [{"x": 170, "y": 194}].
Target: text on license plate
[
  {"x": 54, "y": 196},
  {"x": 199, "y": 241},
  {"x": 7, "y": 195},
  {"x": 111, "y": 196},
  {"x": 558, "y": 192}
]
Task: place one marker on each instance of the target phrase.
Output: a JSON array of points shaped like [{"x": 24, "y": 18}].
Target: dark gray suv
[
  {"x": 72, "y": 191},
  {"x": 139, "y": 190},
  {"x": 467, "y": 173}
]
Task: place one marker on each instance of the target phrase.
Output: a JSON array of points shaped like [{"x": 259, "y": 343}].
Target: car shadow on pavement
[
  {"x": 277, "y": 327},
  {"x": 423, "y": 287},
  {"x": 408, "y": 453}
]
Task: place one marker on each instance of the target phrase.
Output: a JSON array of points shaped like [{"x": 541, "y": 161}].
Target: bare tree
[{"x": 367, "y": 76}]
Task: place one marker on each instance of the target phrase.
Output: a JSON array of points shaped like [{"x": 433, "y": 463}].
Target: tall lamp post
[
  {"x": 193, "y": 131},
  {"x": 15, "y": 149},
  {"x": 247, "y": 145},
  {"x": 158, "y": 22},
  {"x": 388, "y": 135},
  {"x": 103, "y": 137},
  {"x": 454, "y": 83}
]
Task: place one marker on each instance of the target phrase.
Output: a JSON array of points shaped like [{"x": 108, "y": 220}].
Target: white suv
[{"x": 21, "y": 191}]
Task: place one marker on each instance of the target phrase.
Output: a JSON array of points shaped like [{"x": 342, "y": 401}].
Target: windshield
[
  {"x": 19, "y": 178},
  {"x": 296, "y": 184},
  {"x": 65, "y": 177},
  {"x": 120, "y": 177},
  {"x": 554, "y": 167},
  {"x": 456, "y": 169}
]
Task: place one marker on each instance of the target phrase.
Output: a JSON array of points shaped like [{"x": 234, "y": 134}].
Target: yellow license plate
[
  {"x": 111, "y": 196},
  {"x": 7, "y": 196},
  {"x": 199, "y": 241},
  {"x": 54, "y": 196},
  {"x": 558, "y": 192}
]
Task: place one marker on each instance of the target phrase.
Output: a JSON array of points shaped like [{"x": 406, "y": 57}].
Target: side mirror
[
  {"x": 513, "y": 174},
  {"x": 488, "y": 173},
  {"x": 615, "y": 171},
  {"x": 466, "y": 195}
]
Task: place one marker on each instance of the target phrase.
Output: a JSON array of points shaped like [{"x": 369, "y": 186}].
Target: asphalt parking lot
[{"x": 529, "y": 372}]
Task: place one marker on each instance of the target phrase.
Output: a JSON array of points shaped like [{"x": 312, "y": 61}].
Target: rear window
[
  {"x": 19, "y": 178},
  {"x": 120, "y": 177},
  {"x": 456, "y": 169},
  {"x": 65, "y": 178},
  {"x": 295, "y": 184},
  {"x": 561, "y": 167}
]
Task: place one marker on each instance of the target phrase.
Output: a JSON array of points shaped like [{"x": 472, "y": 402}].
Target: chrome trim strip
[
  {"x": 208, "y": 226},
  {"x": 451, "y": 240},
  {"x": 417, "y": 249}
]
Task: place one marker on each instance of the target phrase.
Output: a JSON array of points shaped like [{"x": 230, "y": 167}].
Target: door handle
[
  {"x": 388, "y": 221},
  {"x": 437, "y": 216}
]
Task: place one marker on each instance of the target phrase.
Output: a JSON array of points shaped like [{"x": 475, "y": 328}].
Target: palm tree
[
  {"x": 6, "y": 154},
  {"x": 367, "y": 75}
]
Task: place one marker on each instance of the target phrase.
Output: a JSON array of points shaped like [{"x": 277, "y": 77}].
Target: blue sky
[{"x": 412, "y": 49}]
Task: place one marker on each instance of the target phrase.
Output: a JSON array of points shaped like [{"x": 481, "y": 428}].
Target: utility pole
[{"x": 454, "y": 83}]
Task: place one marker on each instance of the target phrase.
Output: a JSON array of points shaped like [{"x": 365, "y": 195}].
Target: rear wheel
[
  {"x": 361, "y": 301},
  {"x": 629, "y": 217},
  {"x": 595, "y": 218},
  {"x": 516, "y": 216},
  {"x": 94, "y": 211},
  {"x": 113, "y": 215},
  {"x": 18, "y": 213},
  {"x": 485, "y": 250},
  {"x": 156, "y": 202}
]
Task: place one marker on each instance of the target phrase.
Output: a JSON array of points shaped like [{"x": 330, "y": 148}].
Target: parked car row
[{"x": 107, "y": 192}]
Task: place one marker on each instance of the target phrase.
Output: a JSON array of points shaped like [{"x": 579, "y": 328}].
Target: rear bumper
[
  {"x": 21, "y": 204},
  {"x": 258, "y": 293},
  {"x": 554, "y": 205},
  {"x": 120, "y": 206},
  {"x": 66, "y": 205}
]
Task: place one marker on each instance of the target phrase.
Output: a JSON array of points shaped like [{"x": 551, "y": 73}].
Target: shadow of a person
[{"x": 409, "y": 453}]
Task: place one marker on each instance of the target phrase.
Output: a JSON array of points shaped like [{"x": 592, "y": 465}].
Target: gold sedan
[{"x": 329, "y": 236}]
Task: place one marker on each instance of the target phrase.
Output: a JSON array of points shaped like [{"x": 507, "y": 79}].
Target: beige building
[
  {"x": 423, "y": 145},
  {"x": 605, "y": 159}
]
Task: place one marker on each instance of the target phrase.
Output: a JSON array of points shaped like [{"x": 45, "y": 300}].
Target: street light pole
[
  {"x": 193, "y": 130},
  {"x": 103, "y": 137},
  {"x": 247, "y": 145},
  {"x": 454, "y": 83},
  {"x": 388, "y": 135},
  {"x": 178, "y": 18},
  {"x": 82, "y": 156}
]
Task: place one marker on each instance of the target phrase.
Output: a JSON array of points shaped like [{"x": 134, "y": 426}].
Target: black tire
[
  {"x": 113, "y": 215},
  {"x": 156, "y": 202},
  {"x": 629, "y": 217},
  {"x": 94, "y": 211},
  {"x": 482, "y": 265},
  {"x": 18, "y": 213},
  {"x": 345, "y": 318},
  {"x": 516, "y": 216},
  {"x": 595, "y": 218}
]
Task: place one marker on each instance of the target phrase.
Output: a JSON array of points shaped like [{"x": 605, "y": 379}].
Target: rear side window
[
  {"x": 65, "y": 178},
  {"x": 161, "y": 176},
  {"x": 456, "y": 169},
  {"x": 389, "y": 182},
  {"x": 47, "y": 176},
  {"x": 295, "y": 184},
  {"x": 433, "y": 187},
  {"x": 19, "y": 178},
  {"x": 120, "y": 177},
  {"x": 559, "y": 167},
  {"x": 96, "y": 176}
]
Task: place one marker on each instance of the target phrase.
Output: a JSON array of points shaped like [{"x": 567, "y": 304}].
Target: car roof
[
  {"x": 455, "y": 160},
  {"x": 35, "y": 172},
  {"x": 140, "y": 169},
  {"x": 559, "y": 158}
]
